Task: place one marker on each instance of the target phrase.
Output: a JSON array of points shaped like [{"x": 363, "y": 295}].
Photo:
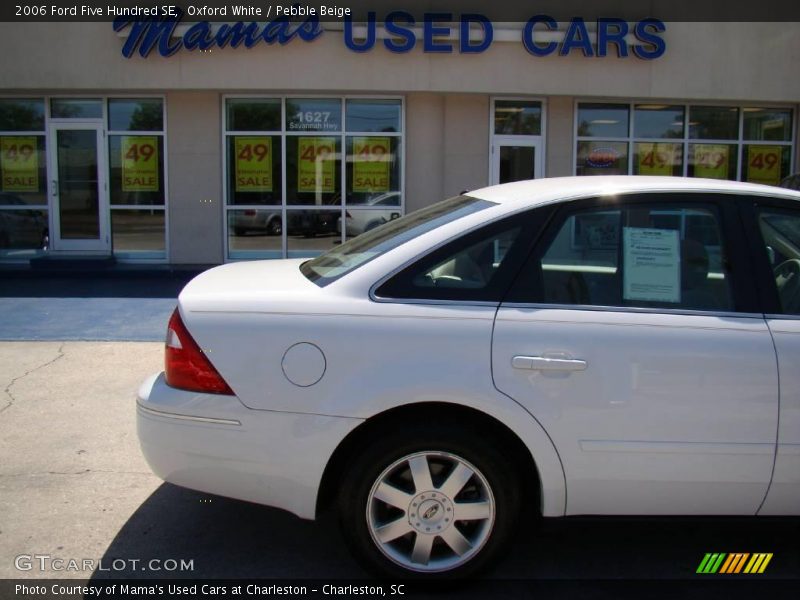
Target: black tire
[{"x": 449, "y": 447}]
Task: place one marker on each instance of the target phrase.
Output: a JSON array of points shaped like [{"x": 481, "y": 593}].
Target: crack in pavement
[
  {"x": 81, "y": 472},
  {"x": 24, "y": 375}
]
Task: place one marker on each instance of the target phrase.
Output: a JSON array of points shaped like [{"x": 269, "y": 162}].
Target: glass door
[
  {"x": 80, "y": 215},
  {"x": 515, "y": 159}
]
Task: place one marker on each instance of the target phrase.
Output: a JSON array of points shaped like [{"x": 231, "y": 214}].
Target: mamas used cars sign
[{"x": 398, "y": 31}]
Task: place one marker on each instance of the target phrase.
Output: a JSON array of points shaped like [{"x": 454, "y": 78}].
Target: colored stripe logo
[{"x": 734, "y": 563}]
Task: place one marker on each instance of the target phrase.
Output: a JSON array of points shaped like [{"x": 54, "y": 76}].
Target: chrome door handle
[
  {"x": 542, "y": 363},
  {"x": 55, "y": 187}
]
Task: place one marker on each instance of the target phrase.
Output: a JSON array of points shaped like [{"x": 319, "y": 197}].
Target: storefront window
[
  {"x": 373, "y": 115},
  {"x": 768, "y": 124},
  {"x": 603, "y": 120},
  {"x": 24, "y": 228},
  {"x": 256, "y": 114},
  {"x": 255, "y": 232},
  {"x": 762, "y": 163},
  {"x": 373, "y": 170},
  {"x": 721, "y": 142},
  {"x": 136, "y": 231},
  {"x": 517, "y": 117},
  {"x": 713, "y": 122},
  {"x": 290, "y": 181},
  {"x": 135, "y": 115},
  {"x": 602, "y": 158},
  {"x": 76, "y": 108},
  {"x": 256, "y": 174},
  {"x": 313, "y": 170},
  {"x": 657, "y": 121},
  {"x": 313, "y": 114},
  {"x": 712, "y": 161},
  {"x": 136, "y": 185},
  {"x": 21, "y": 114},
  {"x": 657, "y": 158}
]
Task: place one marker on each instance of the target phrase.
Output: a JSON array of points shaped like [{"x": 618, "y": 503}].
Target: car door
[
  {"x": 776, "y": 234},
  {"x": 633, "y": 336}
]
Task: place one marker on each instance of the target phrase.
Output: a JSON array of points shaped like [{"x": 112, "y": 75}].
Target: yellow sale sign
[
  {"x": 253, "y": 163},
  {"x": 711, "y": 160},
  {"x": 139, "y": 163},
  {"x": 371, "y": 157},
  {"x": 316, "y": 164},
  {"x": 764, "y": 164},
  {"x": 656, "y": 158},
  {"x": 19, "y": 162}
]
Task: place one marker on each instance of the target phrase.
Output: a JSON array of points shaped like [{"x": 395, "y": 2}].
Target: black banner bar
[{"x": 337, "y": 10}]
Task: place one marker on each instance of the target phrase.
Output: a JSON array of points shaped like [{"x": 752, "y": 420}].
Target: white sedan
[{"x": 595, "y": 345}]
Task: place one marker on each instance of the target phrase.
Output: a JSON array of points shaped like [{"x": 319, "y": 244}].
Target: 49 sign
[
  {"x": 19, "y": 161},
  {"x": 253, "y": 164},
  {"x": 316, "y": 164},
  {"x": 140, "y": 163},
  {"x": 764, "y": 164},
  {"x": 371, "y": 164}
]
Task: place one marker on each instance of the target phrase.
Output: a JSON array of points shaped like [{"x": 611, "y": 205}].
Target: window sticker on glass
[{"x": 652, "y": 268}]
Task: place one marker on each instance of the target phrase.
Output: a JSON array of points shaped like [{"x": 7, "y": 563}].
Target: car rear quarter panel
[{"x": 378, "y": 356}]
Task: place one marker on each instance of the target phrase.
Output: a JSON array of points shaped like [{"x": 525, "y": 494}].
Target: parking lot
[{"x": 73, "y": 484}]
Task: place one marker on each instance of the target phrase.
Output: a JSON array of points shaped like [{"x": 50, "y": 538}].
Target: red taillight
[{"x": 186, "y": 365}]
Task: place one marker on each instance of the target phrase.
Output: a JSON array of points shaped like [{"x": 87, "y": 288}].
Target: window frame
[
  {"x": 139, "y": 257},
  {"x": 737, "y": 262},
  {"x": 284, "y": 133},
  {"x": 685, "y": 141}
]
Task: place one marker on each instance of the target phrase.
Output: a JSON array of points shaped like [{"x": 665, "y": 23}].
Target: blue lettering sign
[
  {"x": 465, "y": 46},
  {"x": 647, "y": 31},
  {"x": 577, "y": 36},
  {"x": 368, "y": 42},
  {"x": 393, "y": 26},
  {"x": 154, "y": 32},
  {"x": 527, "y": 35},
  {"x": 159, "y": 33},
  {"x": 430, "y": 31},
  {"x": 606, "y": 36}
]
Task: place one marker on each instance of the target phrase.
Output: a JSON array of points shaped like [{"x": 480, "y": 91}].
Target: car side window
[
  {"x": 639, "y": 255},
  {"x": 475, "y": 267},
  {"x": 780, "y": 232}
]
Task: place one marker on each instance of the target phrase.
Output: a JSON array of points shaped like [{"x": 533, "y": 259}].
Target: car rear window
[{"x": 340, "y": 261}]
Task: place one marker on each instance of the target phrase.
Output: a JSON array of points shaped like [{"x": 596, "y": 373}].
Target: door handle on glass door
[{"x": 543, "y": 363}]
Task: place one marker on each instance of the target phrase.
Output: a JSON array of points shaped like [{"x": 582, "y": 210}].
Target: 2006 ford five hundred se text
[{"x": 594, "y": 345}]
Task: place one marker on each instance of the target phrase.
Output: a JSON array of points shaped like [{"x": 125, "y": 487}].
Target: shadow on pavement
[
  {"x": 226, "y": 539},
  {"x": 89, "y": 306},
  {"x": 229, "y": 539},
  {"x": 95, "y": 286}
]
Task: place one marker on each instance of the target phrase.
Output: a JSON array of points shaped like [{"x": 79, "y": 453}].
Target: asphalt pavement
[
  {"x": 73, "y": 484},
  {"x": 121, "y": 307}
]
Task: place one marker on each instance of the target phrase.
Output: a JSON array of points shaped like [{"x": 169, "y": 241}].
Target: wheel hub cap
[
  {"x": 438, "y": 525},
  {"x": 430, "y": 512}
]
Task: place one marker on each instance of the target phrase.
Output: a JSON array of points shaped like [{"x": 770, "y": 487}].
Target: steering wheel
[{"x": 787, "y": 280}]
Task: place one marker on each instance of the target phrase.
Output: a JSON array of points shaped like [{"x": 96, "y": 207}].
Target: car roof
[{"x": 558, "y": 189}]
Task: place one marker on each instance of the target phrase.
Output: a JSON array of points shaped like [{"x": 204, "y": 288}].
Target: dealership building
[{"x": 184, "y": 142}]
